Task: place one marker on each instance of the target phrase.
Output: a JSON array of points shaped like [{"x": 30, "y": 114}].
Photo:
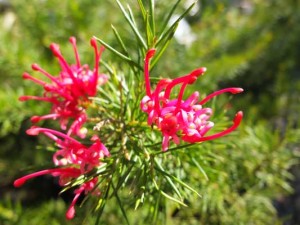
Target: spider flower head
[
  {"x": 69, "y": 91},
  {"x": 73, "y": 152},
  {"x": 65, "y": 175},
  {"x": 74, "y": 159},
  {"x": 176, "y": 118}
]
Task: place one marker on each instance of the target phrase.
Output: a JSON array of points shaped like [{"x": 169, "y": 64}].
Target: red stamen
[
  {"x": 71, "y": 211},
  {"x": 60, "y": 91},
  {"x": 187, "y": 78},
  {"x": 97, "y": 54},
  {"x": 180, "y": 95},
  {"x": 236, "y": 122},
  {"x": 231, "y": 90},
  {"x": 27, "y": 76},
  {"x": 161, "y": 84},
  {"x": 37, "y": 130},
  {"x": 77, "y": 124},
  {"x": 73, "y": 42},
  {"x": 70, "y": 171},
  {"x": 36, "y": 119},
  {"x": 45, "y": 99},
  {"x": 56, "y": 52},
  {"x": 36, "y": 67},
  {"x": 97, "y": 60},
  {"x": 149, "y": 55}
]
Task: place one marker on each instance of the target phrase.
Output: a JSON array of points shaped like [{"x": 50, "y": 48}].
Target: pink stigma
[
  {"x": 70, "y": 213},
  {"x": 19, "y": 182},
  {"x": 55, "y": 49},
  {"x": 35, "y": 119},
  {"x": 93, "y": 42},
  {"x": 35, "y": 67},
  {"x": 238, "y": 118},
  {"x": 32, "y": 131},
  {"x": 150, "y": 53},
  {"x": 237, "y": 90},
  {"x": 198, "y": 72},
  {"x": 23, "y": 98},
  {"x": 230, "y": 90}
]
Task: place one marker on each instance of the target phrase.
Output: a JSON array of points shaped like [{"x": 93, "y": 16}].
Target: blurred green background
[{"x": 252, "y": 44}]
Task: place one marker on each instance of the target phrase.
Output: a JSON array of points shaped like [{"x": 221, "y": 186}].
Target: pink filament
[
  {"x": 55, "y": 172},
  {"x": 231, "y": 90},
  {"x": 236, "y": 122},
  {"x": 37, "y": 130},
  {"x": 149, "y": 55},
  {"x": 73, "y": 42}
]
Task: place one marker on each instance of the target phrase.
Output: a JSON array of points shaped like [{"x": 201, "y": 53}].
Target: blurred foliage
[{"x": 252, "y": 44}]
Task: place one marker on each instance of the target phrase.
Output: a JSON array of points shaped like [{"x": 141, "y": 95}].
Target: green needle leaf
[
  {"x": 200, "y": 168},
  {"x": 166, "y": 195},
  {"x": 152, "y": 15},
  {"x": 174, "y": 25},
  {"x": 169, "y": 16},
  {"x": 173, "y": 199},
  {"x": 169, "y": 180},
  {"x": 119, "y": 53},
  {"x": 178, "y": 181},
  {"x": 119, "y": 39},
  {"x": 143, "y": 10},
  {"x": 121, "y": 205},
  {"x": 132, "y": 25},
  {"x": 114, "y": 50}
]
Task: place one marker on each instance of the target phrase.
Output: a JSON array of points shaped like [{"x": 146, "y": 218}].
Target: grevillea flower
[
  {"x": 74, "y": 159},
  {"x": 181, "y": 119},
  {"x": 72, "y": 152},
  {"x": 86, "y": 188},
  {"x": 66, "y": 175},
  {"x": 68, "y": 92}
]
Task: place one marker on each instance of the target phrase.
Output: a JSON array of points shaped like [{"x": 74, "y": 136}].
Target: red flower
[
  {"x": 86, "y": 188},
  {"x": 177, "y": 118},
  {"x": 77, "y": 159},
  {"x": 68, "y": 92},
  {"x": 66, "y": 175},
  {"x": 72, "y": 151}
]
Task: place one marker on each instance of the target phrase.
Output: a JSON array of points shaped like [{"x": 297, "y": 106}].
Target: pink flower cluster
[
  {"x": 69, "y": 94},
  {"x": 181, "y": 119}
]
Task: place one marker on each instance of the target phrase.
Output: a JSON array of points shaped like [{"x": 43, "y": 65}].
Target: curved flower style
[
  {"x": 69, "y": 91},
  {"x": 177, "y": 118}
]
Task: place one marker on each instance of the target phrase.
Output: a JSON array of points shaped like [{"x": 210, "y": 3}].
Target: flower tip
[
  {"x": 238, "y": 118},
  {"x": 95, "y": 138},
  {"x": 150, "y": 53},
  {"x": 202, "y": 70},
  {"x": 23, "y": 98},
  {"x": 32, "y": 131},
  {"x": 164, "y": 149},
  {"x": 72, "y": 40},
  {"x": 237, "y": 90},
  {"x": 93, "y": 42},
  {"x": 55, "y": 49},
  {"x": 35, "y": 119},
  {"x": 198, "y": 72},
  {"x": 70, "y": 213},
  {"x": 26, "y": 76},
  {"x": 19, "y": 182},
  {"x": 164, "y": 82},
  {"x": 35, "y": 67}
]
